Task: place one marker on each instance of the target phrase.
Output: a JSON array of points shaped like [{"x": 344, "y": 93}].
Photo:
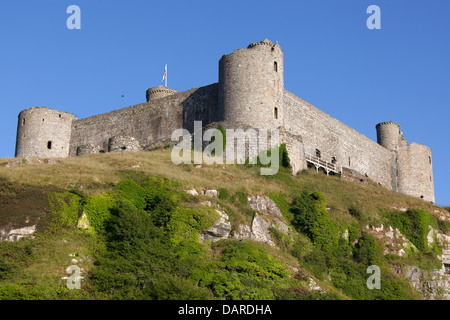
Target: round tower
[
  {"x": 43, "y": 132},
  {"x": 389, "y": 135},
  {"x": 159, "y": 92},
  {"x": 415, "y": 171},
  {"x": 251, "y": 85}
]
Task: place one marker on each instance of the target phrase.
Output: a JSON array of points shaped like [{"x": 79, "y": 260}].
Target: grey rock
[
  {"x": 17, "y": 234},
  {"x": 211, "y": 193},
  {"x": 242, "y": 231},
  {"x": 264, "y": 204},
  {"x": 260, "y": 230},
  {"x": 192, "y": 192},
  {"x": 219, "y": 230}
]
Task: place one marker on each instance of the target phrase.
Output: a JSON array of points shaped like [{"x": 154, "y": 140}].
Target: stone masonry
[{"x": 249, "y": 94}]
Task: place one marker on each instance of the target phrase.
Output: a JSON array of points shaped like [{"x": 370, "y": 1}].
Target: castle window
[
  {"x": 350, "y": 162},
  {"x": 49, "y": 145},
  {"x": 429, "y": 159},
  {"x": 23, "y": 121},
  {"x": 42, "y": 119},
  {"x": 317, "y": 153},
  {"x": 447, "y": 268},
  {"x": 275, "y": 111},
  {"x": 275, "y": 66},
  {"x": 60, "y": 115}
]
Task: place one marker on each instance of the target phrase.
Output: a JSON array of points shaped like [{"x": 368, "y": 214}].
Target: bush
[
  {"x": 444, "y": 226},
  {"x": 139, "y": 262},
  {"x": 414, "y": 225},
  {"x": 97, "y": 209},
  {"x": 368, "y": 251},
  {"x": 282, "y": 204},
  {"x": 131, "y": 191},
  {"x": 241, "y": 197},
  {"x": 243, "y": 271},
  {"x": 187, "y": 223},
  {"x": 65, "y": 208},
  {"x": 312, "y": 218},
  {"x": 316, "y": 263},
  {"x": 284, "y": 156},
  {"x": 223, "y": 194},
  {"x": 224, "y": 141},
  {"x": 161, "y": 198},
  {"x": 355, "y": 212}
]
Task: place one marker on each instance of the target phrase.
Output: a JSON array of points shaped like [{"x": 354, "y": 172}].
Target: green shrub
[
  {"x": 139, "y": 262},
  {"x": 243, "y": 271},
  {"x": 187, "y": 223},
  {"x": 241, "y": 197},
  {"x": 353, "y": 233},
  {"x": 444, "y": 226},
  {"x": 65, "y": 208},
  {"x": 282, "y": 204},
  {"x": 316, "y": 263},
  {"x": 368, "y": 251},
  {"x": 414, "y": 225},
  {"x": 355, "y": 212},
  {"x": 97, "y": 209},
  {"x": 312, "y": 218},
  {"x": 224, "y": 140},
  {"x": 161, "y": 198},
  {"x": 131, "y": 191},
  {"x": 223, "y": 194},
  {"x": 284, "y": 156}
]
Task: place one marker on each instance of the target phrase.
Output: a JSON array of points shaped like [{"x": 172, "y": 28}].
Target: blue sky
[{"x": 332, "y": 60}]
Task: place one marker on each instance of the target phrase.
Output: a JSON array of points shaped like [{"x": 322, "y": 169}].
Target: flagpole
[{"x": 166, "y": 76}]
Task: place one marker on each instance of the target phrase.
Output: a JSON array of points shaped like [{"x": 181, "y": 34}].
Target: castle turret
[
  {"x": 389, "y": 135},
  {"x": 411, "y": 169},
  {"x": 159, "y": 92},
  {"x": 251, "y": 84},
  {"x": 415, "y": 171},
  {"x": 43, "y": 132}
]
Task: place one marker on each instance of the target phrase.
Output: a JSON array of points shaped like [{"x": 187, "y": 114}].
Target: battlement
[
  {"x": 387, "y": 123},
  {"x": 159, "y": 92},
  {"x": 265, "y": 42}
]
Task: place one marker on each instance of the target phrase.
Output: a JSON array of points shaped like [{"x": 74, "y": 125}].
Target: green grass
[{"x": 146, "y": 207}]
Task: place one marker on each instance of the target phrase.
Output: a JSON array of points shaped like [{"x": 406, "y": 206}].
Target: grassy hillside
[{"x": 143, "y": 237}]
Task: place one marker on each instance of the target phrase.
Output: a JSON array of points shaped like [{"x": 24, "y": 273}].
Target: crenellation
[{"x": 250, "y": 94}]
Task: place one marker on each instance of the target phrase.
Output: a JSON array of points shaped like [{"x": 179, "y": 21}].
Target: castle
[{"x": 249, "y": 94}]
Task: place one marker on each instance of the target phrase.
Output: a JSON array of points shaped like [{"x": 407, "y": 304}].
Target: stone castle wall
[
  {"x": 415, "y": 171},
  {"x": 332, "y": 138},
  {"x": 43, "y": 132},
  {"x": 251, "y": 85},
  {"x": 250, "y": 94},
  {"x": 145, "y": 123}
]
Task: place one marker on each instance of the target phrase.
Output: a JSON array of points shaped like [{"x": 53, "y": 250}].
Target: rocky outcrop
[
  {"x": 393, "y": 240},
  {"x": 432, "y": 285},
  {"x": 268, "y": 216},
  {"x": 260, "y": 230},
  {"x": 220, "y": 229},
  {"x": 192, "y": 192},
  {"x": 242, "y": 231},
  {"x": 17, "y": 234},
  {"x": 83, "y": 222},
  {"x": 264, "y": 205}
]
